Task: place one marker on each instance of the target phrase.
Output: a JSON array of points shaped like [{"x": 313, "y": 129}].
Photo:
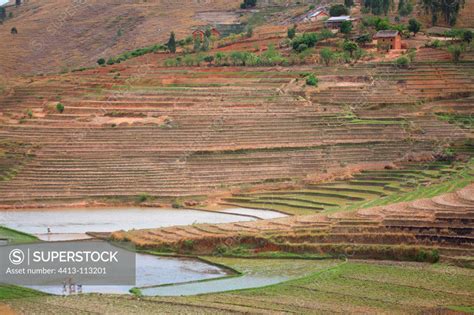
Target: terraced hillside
[
  {"x": 423, "y": 230},
  {"x": 361, "y": 189},
  {"x": 138, "y": 129}
]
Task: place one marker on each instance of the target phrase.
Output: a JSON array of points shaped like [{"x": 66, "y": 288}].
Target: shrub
[
  {"x": 291, "y": 32},
  {"x": 326, "y": 55},
  {"x": 402, "y": 62},
  {"x": 29, "y": 113},
  {"x": 346, "y": 27},
  {"x": 171, "y": 43},
  {"x": 301, "y": 47},
  {"x": 456, "y": 52},
  {"x": 101, "y": 62},
  {"x": 312, "y": 80},
  {"x": 338, "y": 10},
  {"x": 414, "y": 26},
  {"x": 308, "y": 39},
  {"x": 350, "y": 47},
  {"x": 467, "y": 36},
  {"x": 188, "y": 244},
  {"x": 60, "y": 108},
  {"x": 143, "y": 197},
  {"x": 249, "y": 32},
  {"x": 136, "y": 292},
  {"x": 248, "y": 4}
]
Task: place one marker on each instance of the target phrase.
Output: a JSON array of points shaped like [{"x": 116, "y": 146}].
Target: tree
[
  {"x": 338, "y": 10},
  {"x": 3, "y": 13},
  {"x": 346, "y": 27},
  {"x": 17, "y": 2},
  {"x": 448, "y": 9},
  {"x": 382, "y": 24},
  {"x": 60, "y": 108},
  {"x": 326, "y": 55},
  {"x": 456, "y": 51},
  {"x": 248, "y": 4},
  {"x": 306, "y": 40},
  {"x": 364, "y": 39},
  {"x": 172, "y": 43},
  {"x": 312, "y": 80},
  {"x": 209, "y": 58},
  {"x": 101, "y": 61},
  {"x": 249, "y": 32},
  {"x": 405, "y": 7},
  {"x": 205, "y": 44},
  {"x": 414, "y": 26},
  {"x": 197, "y": 44},
  {"x": 467, "y": 36},
  {"x": 348, "y": 3},
  {"x": 402, "y": 62},
  {"x": 291, "y": 32},
  {"x": 350, "y": 47}
]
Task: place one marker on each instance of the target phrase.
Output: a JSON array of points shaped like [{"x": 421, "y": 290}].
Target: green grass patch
[
  {"x": 16, "y": 237},
  {"x": 16, "y": 292}
]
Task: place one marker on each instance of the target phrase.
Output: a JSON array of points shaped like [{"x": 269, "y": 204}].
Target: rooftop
[
  {"x": 339, "y": 18},
  {"x": 386, "y": 33}
]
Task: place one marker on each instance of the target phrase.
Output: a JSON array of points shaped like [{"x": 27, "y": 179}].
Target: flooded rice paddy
[{"x": 189, "y": 276}]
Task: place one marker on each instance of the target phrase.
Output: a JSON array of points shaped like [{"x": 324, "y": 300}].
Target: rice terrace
[{"x": 254, "y": 156}]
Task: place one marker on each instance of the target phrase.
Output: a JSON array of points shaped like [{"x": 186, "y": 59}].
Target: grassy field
[
  {"x": 354, "y": 286},
  {"x": 8, "y": 292},
  {"x": 16, "y": 237}
]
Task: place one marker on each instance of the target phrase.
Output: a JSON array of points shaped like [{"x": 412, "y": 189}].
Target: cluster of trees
[
  {"x": 308, "y": 40},
  {"x": 405, "y": 7},
  {"x": 448, "y": 9},
  {"x": 270, "y": 57},
  {"x": 338, "y": 10},
  {"x": 248, "y": 4},
  {"x": 350, "y": 51},
  {"x": 131, "y": 54},
  {"x": 378, "y": 7}
]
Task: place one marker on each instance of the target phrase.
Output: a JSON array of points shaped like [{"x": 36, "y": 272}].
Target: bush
[
  {"x": 143, "y": 197},
  {"x": 188, "y": 244},
  {"x": 338, "y": 10},
  {"x": 172, "y": 43},
  {"x": 350, "y": 47},
  {"x": 402, "y": 62},
  {"x": 60, "y": 108},
  {"x": 312, "y": 80},
  {"x": 29, "y": 113},
  {"x": 456, "y": 52},
  {"x": 136, "y": 292},
  {"x": 467, "y": 36},
  {"x": 308, "y": 39},
  {"x": 291, "y": 32},
  {"x": 346, "y": 27},
  {"x": 326, "y": 55},
  {"x": 101, "y": 61},
  {"x": 248, "y": 4},
  {"x": 414, "y": 26}
]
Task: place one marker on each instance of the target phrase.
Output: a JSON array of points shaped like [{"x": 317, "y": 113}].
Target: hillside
[
  {"x": 57, "y": 34},
  {"x": 129, "y": 130}
]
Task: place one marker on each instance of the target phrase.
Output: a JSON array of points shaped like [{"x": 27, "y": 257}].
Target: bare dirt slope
[{"x": 56, "y": 34}]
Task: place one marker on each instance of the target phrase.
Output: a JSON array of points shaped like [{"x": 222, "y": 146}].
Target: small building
[
  {"x": 316, "y": 15},
  {"x": 336, "y": 21},
  {"x": 388, "y": 39},
  {"x": 202, "y": 33}
]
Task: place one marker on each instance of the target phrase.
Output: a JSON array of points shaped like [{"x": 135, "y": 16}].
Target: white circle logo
[{"x": 16, "y": 256}]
